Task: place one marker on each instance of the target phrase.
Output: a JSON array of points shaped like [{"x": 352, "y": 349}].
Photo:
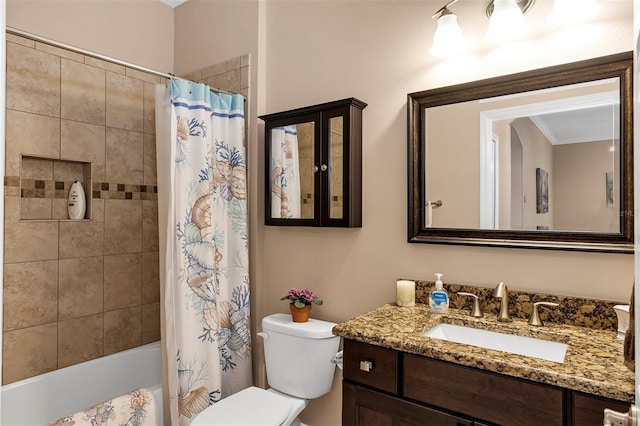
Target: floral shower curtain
[
  {"x": 285, "y": 173},
  {"x": 204, "y": 260}
]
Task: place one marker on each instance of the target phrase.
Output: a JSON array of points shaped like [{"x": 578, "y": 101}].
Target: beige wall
[
  {"x": 315, "y": 51},
  {"x": 139, "y": 32},
  {"x": 377, "y": 52},
  {"x": 580, "y": 186}
]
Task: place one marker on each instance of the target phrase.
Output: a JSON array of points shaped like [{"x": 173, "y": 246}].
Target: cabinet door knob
[
  {"x": 323, "y": 167},
  {"x": 315, "y": 169},
  {"x": 366, "y": 366}
]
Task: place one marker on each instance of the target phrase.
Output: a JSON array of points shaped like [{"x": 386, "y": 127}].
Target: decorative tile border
[{"x": 35, "y": 188}]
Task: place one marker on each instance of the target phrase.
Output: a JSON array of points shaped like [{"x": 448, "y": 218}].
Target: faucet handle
[
  {"x": 535, "y": 318},
  {"x": 476, "y": 312}
]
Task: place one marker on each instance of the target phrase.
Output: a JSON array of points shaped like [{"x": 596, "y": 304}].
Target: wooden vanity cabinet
[
  {"x": 313, "y": 165},
  {"x": 587, "y": 409},
  {"x": 387, "y": 387}
]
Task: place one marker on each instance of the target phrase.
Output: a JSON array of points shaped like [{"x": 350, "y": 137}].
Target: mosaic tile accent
[{"x": 34, "y": 188}]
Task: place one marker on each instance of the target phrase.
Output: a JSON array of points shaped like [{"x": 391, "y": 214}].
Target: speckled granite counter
[{"x": 593, "y": 362}]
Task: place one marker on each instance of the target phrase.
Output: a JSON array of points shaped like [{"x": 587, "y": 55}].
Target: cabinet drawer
[
  {"x": 365, "y": 407},
  {"x": 588, "y": 410},
  {"x": 371, "y": 365},
  {"x": 484, "y": 395}
]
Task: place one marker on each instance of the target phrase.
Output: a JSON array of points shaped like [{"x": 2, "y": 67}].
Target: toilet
[{"x": 299, "y": 359}]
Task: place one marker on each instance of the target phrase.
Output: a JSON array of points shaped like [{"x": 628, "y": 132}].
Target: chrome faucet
[{"x": 501, "y": 292}]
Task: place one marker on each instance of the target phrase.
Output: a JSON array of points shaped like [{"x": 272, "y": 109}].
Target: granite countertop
[{"x": 593, "y": 363}]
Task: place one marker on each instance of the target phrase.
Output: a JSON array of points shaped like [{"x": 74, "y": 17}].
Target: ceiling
[
  {"x": 173, "y": 3},
  {"x": 580, "y": 125}
]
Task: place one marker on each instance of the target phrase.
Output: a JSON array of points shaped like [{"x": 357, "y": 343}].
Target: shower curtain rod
[{"x": 55, "y": 43}]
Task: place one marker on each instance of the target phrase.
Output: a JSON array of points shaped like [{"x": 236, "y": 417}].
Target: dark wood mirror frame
[{"x": 618, "y": 65}]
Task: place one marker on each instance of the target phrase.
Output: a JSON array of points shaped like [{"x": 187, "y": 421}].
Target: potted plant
[{"x": 300, "y": 302}]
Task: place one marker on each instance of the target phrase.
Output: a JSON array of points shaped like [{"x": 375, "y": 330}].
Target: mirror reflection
[
  {"x": 335, "y": 167},
  {"x": 292, "y": 165},
  {"x": 544, "y": 160}
]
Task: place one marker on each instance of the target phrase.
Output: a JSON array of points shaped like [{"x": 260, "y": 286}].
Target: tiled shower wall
[{"x": 77, "y": 290}]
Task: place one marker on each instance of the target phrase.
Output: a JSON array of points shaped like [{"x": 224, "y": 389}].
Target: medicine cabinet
[{"x": 313, "y": 165}]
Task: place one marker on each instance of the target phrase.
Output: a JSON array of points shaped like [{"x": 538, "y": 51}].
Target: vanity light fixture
[
  {"x": 506, "y": 21},
  {"x": 448, "y": 39}
]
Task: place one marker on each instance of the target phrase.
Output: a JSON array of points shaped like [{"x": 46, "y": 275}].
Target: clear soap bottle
[{"x": 438, "y": 298}]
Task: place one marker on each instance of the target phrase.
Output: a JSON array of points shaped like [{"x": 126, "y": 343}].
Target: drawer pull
[{"x": 366, "y": 366}]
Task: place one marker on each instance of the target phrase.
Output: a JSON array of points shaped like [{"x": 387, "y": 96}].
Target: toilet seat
[{"x": 249, "y": 407}]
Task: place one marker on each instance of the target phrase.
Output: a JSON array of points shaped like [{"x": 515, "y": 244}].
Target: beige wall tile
[
  {"x": 212, "y": 70},
  {"x": 80, "y": 339},
  {"x": 244, "y": 60},
  {"x": 193, "y": 76},
  {"x": 36, "y": 208},
  {"x": 83, "y": 93},
  {"x": 150, "y": 323},
  {"x": 83, "y": 238},
  {"x": 59, "y": 52},
  {"x": 29, "y": 351},
  {"x": 122, "y": 329},
  {"x": 81, "y": 287},
  {"x": 21, "y": 40},
  {"x": 33, "y": 81},
  {"x": 60, "y": 211},
  {"x": 125, "y": 99},
  {"x": 149, "y": 160},
  {"x": 124, "y": 156},
  {"x": 30, "y": 294},
  {"x": 68, "y": 171},
  {"x": 123, "y": 226},
  {"x": 149, "y": 108},
  {"x": 150, "y": 277},
  {"x": 30, "y": 134},
  {"x": 84, "y": 142},
  {"x": 36, "y": 168},
  {"x": 122, "y": 281},
  {"x": 244, "y": 77},
  {"x": 229, "y": 81},
  {"x": 150, "y": 226},
  {"x": 27, "y": 241},
  {"x": 108, "y": 66},
  {"x": 234, "y": 63},
  {"x": 144, "y": 76}
]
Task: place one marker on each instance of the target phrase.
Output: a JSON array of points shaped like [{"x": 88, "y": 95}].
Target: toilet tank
[{"x": 298, "y": 355}]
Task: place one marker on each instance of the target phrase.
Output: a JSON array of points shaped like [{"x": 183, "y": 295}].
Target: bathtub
[{"x": 47, "y": 397}]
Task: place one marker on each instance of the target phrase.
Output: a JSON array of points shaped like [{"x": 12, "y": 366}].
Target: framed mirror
[{"x": 539, "y": 159}]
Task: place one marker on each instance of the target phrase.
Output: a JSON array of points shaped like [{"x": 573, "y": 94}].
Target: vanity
[{"x": 394, "y": 374}]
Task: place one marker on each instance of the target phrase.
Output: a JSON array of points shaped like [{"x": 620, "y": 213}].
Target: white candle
[{"x": 405, "y": 293}]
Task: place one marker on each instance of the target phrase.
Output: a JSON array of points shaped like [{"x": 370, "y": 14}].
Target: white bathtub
[{"x": 45, "y": 398}]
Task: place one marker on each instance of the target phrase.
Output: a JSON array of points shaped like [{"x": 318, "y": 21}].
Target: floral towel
[{"x": 137, "y": 408}]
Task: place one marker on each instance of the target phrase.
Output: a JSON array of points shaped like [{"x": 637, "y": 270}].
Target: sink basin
[{"x": 520, "y": 345}]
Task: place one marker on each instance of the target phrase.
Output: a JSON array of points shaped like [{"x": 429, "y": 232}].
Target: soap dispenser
[{"x": 438, "y": 298}]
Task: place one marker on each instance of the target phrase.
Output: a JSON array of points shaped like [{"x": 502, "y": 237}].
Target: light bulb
[
  {"x": 448, "y": 39},
  {"x": 506, "y": 22}
]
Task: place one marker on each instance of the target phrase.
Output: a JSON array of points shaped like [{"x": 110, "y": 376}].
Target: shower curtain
[
  {"x": 204, "y": 265},
  {"x": 285, "y": 173}
]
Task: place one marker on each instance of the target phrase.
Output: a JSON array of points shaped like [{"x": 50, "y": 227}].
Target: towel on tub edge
[{"x": 136, "y": 408}]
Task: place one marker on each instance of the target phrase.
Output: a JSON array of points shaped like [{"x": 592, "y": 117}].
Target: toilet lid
[{"x": 252, "y": 406}]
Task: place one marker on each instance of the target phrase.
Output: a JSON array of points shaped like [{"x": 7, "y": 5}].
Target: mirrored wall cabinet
[{"x": 313, "y": 170}]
